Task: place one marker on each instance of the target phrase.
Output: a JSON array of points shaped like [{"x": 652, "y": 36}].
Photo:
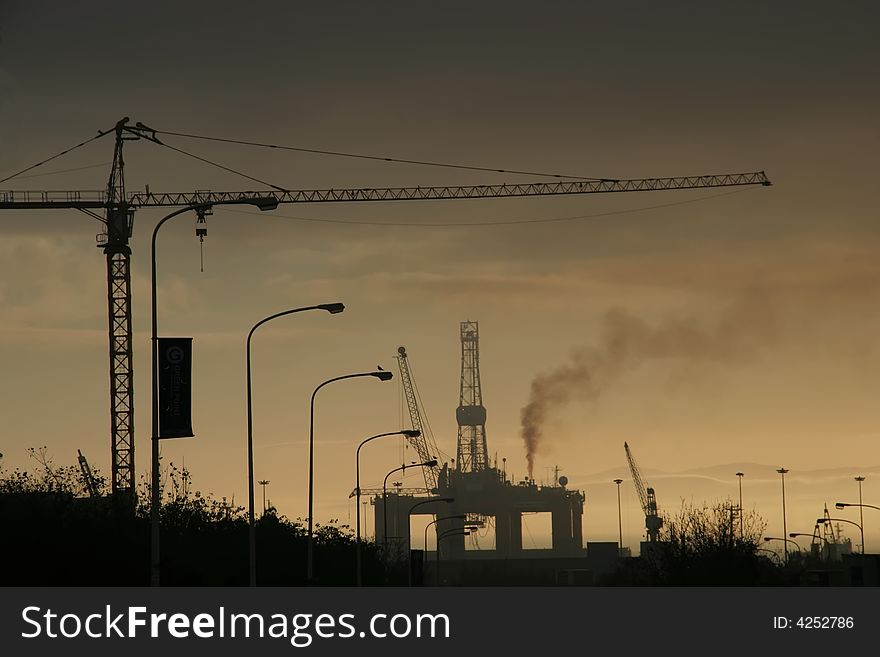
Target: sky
[{"x": 748, "y": 320}]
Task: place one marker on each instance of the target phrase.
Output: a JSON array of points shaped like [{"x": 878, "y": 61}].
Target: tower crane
[
  {"x": 114, "y": 207},
  {"x": 423, "y": 444},
  {"x": 653, "y": 522}
]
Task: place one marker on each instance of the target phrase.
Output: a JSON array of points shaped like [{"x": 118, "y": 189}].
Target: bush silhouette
[{"x": 55, "y": 534}]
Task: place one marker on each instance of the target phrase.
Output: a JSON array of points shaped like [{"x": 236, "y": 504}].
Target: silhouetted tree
[
  {"x": 54, "y": 534},
  {"x": 703, "y": 545}
]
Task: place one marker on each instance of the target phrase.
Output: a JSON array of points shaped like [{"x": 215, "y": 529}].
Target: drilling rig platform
[{"x": 469, "y": 495}]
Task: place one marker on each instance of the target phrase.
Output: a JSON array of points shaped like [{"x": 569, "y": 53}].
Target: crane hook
[{"x": 201, "y": 233}]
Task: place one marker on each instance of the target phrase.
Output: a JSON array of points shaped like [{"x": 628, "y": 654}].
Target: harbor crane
[
  {"x": 424, "y": 443},
  {"x": 88, "y": 477},
  {"x": 114, "y": 207},
  {"x": 653, "y": 522}
]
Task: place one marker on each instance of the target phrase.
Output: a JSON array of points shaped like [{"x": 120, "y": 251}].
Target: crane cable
[
  {"x": 58, "y": 171},
  {"x": 56, "y": 156},
  {"x": 219, "y": 166},
  {"x": 377, "y": 158},
  {"x": 510, "y": 222}
]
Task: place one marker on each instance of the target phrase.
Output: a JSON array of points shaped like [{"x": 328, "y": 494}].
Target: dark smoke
[{"x": 626, "y": 342}]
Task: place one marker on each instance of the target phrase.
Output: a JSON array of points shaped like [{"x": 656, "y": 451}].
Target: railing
[{"x": 59, "y": 198}]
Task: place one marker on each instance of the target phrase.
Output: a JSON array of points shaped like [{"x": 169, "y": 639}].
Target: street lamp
[
  {"x": 382, "y": 375},
  {"x": 409, "y": 433},
  {"x": 263, "y": 203},
  {"x": 783, "y": 472},
  {"x": 466, "y": 531},
  {"x": 264, "y": 483},
  {"x": 827, "y": 520},
  {"x": 770, "y": 552},
  {"x": 767, "y": 539},
  {"x": 842, "y": 505},
  {"x": 459, "y": 516},
  {"x": 427, "y": 464},
  {"x": 448, "y": 500},
  {"x": 740, "y": 476},
  {"x": 813, "y": 536},
  {"x": 619, "y": 521},
  {"x": 333, "y": 309},
  {"x": 860, "y": 479}
]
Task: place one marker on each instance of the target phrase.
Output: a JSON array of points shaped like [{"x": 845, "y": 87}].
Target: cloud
[{"x": 51, "y": 283}]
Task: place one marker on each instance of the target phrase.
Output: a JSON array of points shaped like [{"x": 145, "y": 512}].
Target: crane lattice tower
[{"x": 471, "y": 453}]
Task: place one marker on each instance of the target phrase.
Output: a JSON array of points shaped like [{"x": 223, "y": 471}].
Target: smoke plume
[{"x": 626, "y": 342}]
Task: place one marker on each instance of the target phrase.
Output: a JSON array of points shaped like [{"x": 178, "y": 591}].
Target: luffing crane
[
  {"x": 423, "y": 444},
  {"x": 653, "y": 522},
  {"x": 114, "y": 208},
  {"x": 88, "y": 476}
]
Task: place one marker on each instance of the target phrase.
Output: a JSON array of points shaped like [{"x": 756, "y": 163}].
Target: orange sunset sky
[{"x": 751, "y": 319}]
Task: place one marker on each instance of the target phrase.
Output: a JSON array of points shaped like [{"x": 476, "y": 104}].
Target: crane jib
[
  {"x": 98, "y": 199},
  {"x": 116, "y": 202}
]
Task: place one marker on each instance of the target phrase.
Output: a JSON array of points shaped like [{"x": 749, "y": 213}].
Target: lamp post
[
  {"x": 813, "y": 536},
  {"x": 448, "y": 500},
  {"x": 467, "y": 531},
  {"x": 827, "y": 520},
  {"x": 427, "y": 464},
  {"x": 770, "y": 552},
  {"x": 263, "y": 203},
  {"x": 783, "y": 472},
  {"x": 842, "y": 505},
  {"x": 382, "y": 375},
  {"x": 459, "y": 516},
  {"x": 409, "y": 433},
  {"x": 767, "y": 539},
  {"x": 619, "y": 521},
  {"x": 860, "y": 479},
  {"x": 364, "y": 504},
  {"x": 333, "y": 309},
  {"x": 264, "y": 483},
  {"x": 740, "y": 476}
]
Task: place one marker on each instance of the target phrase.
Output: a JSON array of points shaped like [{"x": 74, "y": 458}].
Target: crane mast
[
  {"x": 423, "y": 444},
  {"x": 118, "y": 226},
  {"x": 114, "y": 240},
  {"x": 653, "y": 522},
  {"x": 118, "y": 206}
]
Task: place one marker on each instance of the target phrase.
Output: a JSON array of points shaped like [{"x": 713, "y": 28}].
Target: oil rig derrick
[{"x": 471, "y": 454}]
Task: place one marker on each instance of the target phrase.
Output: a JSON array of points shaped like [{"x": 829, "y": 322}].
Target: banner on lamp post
[{"x": 175, "y": 388}]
